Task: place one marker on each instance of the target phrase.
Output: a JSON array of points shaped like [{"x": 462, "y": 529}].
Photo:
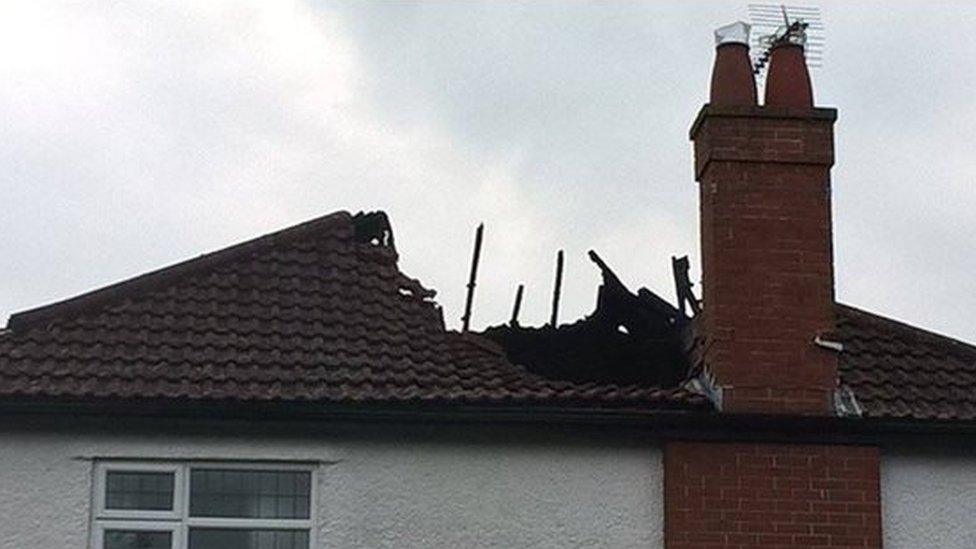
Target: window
[{"x": 202, "y": 506}]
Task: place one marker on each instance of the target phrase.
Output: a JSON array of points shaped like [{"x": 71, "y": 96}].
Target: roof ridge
[
  {"x": 71, "y": 306},
  {"x": 903, "y": 326}
]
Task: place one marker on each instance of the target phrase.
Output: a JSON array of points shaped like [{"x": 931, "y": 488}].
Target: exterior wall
[
  {"x": 929, "y": 499},
  {"x": 406, "y": 488},
  {"x": 739, "y": 495}
]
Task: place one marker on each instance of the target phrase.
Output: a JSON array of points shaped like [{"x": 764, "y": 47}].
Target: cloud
[{"x": 136, "y": 135}]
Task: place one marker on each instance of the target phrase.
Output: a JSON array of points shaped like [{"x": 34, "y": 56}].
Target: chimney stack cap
[{"x": 734, "y": 33}]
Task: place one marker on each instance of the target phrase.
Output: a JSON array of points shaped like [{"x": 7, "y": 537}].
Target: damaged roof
[
  {"x": 315, "y": 313},
  {"x": 629, "y": 338},
  {"x": 320, "y": 313}
]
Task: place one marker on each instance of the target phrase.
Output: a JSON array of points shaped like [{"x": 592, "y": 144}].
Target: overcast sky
[{"x": 137, "y": 134}]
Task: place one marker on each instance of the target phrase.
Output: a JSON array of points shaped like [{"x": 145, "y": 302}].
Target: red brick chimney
[
  {"x": 767, "y": 266},
  {"x": 764, "y": 176}
]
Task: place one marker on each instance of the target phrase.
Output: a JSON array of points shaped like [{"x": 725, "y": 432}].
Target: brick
[
  {"x": 771, "y": 495},
  {"x": 767, "y": 272}
]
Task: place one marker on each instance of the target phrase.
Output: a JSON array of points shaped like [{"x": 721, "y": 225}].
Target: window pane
[
  {"x": 139, "y": 490},
  {"x": 132, "y": 539},
  {"x": 227, "y": 538},
  {"x": 249, "y": 494}
]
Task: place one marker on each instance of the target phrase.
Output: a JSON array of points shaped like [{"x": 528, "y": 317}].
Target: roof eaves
[{"x": 674, "y": 422}]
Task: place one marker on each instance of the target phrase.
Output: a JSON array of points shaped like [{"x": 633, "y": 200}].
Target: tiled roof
[
  {"x": 315, "y": 313},
  {"x": 900, "y": 371}
]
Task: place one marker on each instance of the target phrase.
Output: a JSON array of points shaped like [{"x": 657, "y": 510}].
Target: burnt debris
[
  {"x": 629, "y": 338},
  {"x": 683, "y": 285},
  {"x": 373, "y": 228}
]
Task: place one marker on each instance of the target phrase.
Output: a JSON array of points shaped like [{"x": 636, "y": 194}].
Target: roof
[
  {"x": 320, "y": 313},
  {"x": 898, "y": 371},
  {"x": 315, "y": 313}
]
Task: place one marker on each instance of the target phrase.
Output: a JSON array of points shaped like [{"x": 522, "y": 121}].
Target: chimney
[{"x": 767, "y": 266}]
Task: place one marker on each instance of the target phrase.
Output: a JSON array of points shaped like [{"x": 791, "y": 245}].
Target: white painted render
[
  {"x": 470, "y": 488},
  {"x": 928, "y": 499}
]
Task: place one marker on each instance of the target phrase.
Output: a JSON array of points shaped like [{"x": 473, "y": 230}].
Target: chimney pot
[
  {"x": 788, "y": 80},
  {"x": 733, "y": 83}
]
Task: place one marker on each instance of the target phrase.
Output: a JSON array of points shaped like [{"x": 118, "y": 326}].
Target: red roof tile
[
  {"x": 899, "y": 371},
  {"x": 312, "y": 313}
]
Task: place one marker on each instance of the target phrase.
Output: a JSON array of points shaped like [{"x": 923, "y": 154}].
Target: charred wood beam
[
  {"x": 557, "y": 289},
  {"x": 472, "y": 278},
  {"x": 683, "y": 285},
  {"x": 638, "y": 313},
  {"x": 517, "y": 307}
]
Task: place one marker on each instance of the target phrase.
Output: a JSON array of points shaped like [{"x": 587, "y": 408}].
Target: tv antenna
[{"x": 780, "y": 24}]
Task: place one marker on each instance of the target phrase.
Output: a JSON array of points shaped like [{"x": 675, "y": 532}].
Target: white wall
[
  {"x": 467, "y": 488},
  {"x": 928, "y": 499}
]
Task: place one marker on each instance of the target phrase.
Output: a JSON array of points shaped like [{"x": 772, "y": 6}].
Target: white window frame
[
  {"x": 174, "y": 528},
  {"x": 101, "y": 474},
  {"x": 179, "y": 520}
]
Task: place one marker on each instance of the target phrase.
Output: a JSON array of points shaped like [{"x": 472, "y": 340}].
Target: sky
[{"x": 137, "y": 134}]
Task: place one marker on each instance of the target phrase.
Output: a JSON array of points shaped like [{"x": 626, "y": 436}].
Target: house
[{"x": 298, "y": 390}]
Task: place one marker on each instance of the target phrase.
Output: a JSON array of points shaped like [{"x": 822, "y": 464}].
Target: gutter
[{"x": 702, "y": 425}]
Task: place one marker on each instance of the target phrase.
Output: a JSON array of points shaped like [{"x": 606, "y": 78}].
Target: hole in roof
[{"x": 629, "y": 338}]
